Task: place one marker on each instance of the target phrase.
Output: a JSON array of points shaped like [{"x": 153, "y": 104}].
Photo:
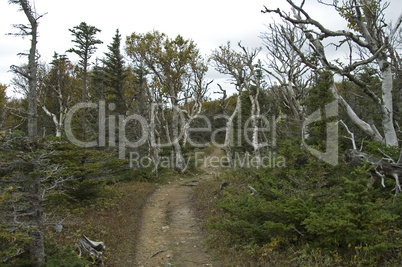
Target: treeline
[
  {"x": 164, "y": 82},
  {"x": 154, "y": 91}
]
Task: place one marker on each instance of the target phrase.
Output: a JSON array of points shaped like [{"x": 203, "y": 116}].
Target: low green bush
[{"x": 322, "y": 215}]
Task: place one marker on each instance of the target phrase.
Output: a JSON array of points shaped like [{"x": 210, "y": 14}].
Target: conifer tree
[
  {"x": 85, "y": 47},
  {"x": 115, "y": 73}
]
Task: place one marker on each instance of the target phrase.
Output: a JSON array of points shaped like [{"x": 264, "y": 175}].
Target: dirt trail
[{"x": 170, "y": 234}]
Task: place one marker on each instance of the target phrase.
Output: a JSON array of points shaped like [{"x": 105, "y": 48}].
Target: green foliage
[
  {"x": 352, "y": 218},
  {"x": 63, "y": 256},
  {"x": 325, "y": 214},
  {"x": 12, "y": 242},
  {"x": 85, "y": 173},
  {"x": 3, "y": 97},
  {"x": 351, "y": 11},
  {"x": 169, "y": 59},
  {"x": 115, "y": 74},
  {"x": 56, "y": 92},
  {"x": 85, "y": 42},
  {"x": 381, "y": 150},
  {"x": 57, "y": 255},
  {"x": 319, "y": 96}
]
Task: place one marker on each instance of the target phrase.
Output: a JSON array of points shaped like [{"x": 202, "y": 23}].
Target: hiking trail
[{"x": 170, "y": 233}]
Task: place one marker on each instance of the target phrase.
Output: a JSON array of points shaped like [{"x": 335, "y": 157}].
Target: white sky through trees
[{"x": 209, "y": 23}]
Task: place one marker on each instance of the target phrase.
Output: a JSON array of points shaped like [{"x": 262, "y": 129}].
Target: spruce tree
[
  {"x": 85, "y": 47},
  {"x": 115, "y": 73}
]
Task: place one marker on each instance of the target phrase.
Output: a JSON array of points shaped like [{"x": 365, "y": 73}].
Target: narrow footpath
[{"x": 170, "y": 233}]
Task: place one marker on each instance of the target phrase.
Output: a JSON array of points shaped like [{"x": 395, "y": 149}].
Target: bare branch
[{"x": 352, "y": 136}]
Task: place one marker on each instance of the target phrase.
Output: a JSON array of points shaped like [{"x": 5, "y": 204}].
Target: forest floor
[{"x": 170, "y": 233}]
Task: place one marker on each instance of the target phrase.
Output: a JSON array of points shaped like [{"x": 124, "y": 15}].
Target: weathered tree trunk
[
  {"x": 294, "y": 104},
  {"x": 199, "y": 90},
  {"x": 368, "y": 129},
  {"x": 382, "y": 168},
  {"x": 387, "y": 112},
  {"x": 192, "y": 115},
  {"x": 37, "y": 249},
  {"x": 179, "y": 160},
  {"x": 369, "y": 40},
  {"x": 176, "y": 144},
  {"x": 91, "y": 250},
  {"x": 255, "y": 116},
  {"x": 84, "y": 98},
  {"x": 229, "y": 132},
  {"x": 58, "y": 122},
  {"x": 154, "y": 145},
  {"x": 32, "y": 106},
  {"x": 32, "y": 69}
]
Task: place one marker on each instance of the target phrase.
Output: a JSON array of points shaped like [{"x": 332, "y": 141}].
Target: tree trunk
[
  {"x": 391, "y": 138},
  {"x": 368, "y": 129},
  {"x": 37, "y": 248},
  {"x": 294, "y": 104},
  {"x": 382, "y": 167},
  {"x": 255, "y": 116},
  {"x": 175, "y": 133},
  {"x": 32, "y": 71},
  {"x": 191, "y": 117},
  {"x": 83, "y": 99},
  {"x": 153, "y": 133},
  {"x": 32, "y": 106},
  {"x": 57, "y": 122},
  {"x": 229, "y": 132},
  {"x": 255, "y": 112}
]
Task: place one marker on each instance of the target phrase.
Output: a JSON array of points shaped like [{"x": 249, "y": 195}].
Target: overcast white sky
[{"x": 209, "y": 23}]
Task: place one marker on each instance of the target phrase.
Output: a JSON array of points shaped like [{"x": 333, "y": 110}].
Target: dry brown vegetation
[{"x": 113, "y": 217}]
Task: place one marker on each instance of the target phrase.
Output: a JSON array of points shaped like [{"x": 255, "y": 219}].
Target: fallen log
[
  {"x": 382, "y": 168},
  {"x": 90, "y": 249}
]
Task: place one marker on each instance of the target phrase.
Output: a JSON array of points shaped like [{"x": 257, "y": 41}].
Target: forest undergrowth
[{"x": 306, "y": 214}]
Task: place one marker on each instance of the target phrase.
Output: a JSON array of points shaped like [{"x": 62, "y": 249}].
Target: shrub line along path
[{"x": 171, "y": 234}]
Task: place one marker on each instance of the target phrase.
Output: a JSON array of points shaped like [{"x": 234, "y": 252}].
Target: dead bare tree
[
  {"x": 285, "y": 66},
  {"x": 31, "y": 72},
  {"x": 57, "y": 82},
  {"x": 254, "y": 90},
  {"x": 227, "y": 61},
  {"x": 369, "y": 44},
  {"x": 197, "y": 89}
]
